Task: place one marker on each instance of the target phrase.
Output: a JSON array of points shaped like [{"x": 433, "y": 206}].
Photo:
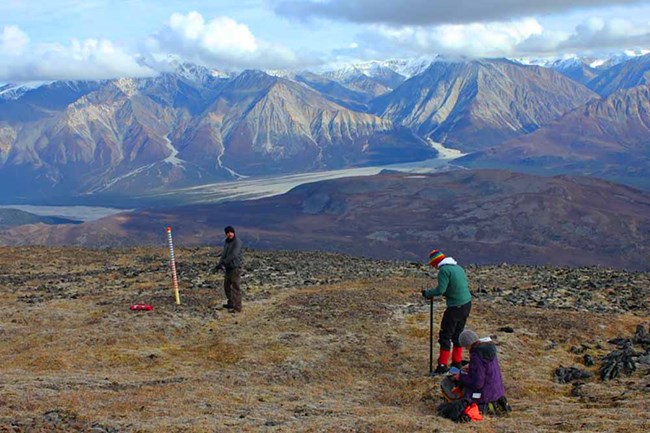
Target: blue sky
[{"x": 96, "y": 39}]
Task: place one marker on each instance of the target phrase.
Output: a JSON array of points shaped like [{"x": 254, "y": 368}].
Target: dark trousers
[
  {"x": 232, "y": 287},
  {"x": 453, "y": 323}
]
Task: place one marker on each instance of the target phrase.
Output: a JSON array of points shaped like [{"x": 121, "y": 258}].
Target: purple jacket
[{"x": 484, "y": 375}]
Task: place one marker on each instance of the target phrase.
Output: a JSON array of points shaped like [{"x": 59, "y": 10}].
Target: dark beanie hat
[{"x": 229, "y": 229}]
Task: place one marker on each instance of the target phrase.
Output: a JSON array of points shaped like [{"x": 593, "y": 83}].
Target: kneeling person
[{"x": 482, "y": 381}]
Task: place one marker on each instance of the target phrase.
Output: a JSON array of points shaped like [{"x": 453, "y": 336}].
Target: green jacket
[{"x": 452, "y": 284}]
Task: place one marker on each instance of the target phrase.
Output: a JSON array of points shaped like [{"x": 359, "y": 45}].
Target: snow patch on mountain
[
  {"x": 198, "y": 73},
  {"x": 376, "y": 68},
  {"x": 596, "y": 61},
  {"x": 9, "y": 91}
]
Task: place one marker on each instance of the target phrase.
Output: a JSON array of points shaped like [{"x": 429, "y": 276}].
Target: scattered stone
[
  {"x": 617, "y": 362},
  {"x": 620, "y": 342},
  {"x": 570, "y": 374},
  {"x": 578, "y": 389},
  {"x": 642, "y": 337},
  {"x": 550, "y": 287},
  {"x": 577, "y": 350},
  {"x": 625, "y": 359},
  {"x": 551, "y": 345},
  {"x": 59, "y": 420}
]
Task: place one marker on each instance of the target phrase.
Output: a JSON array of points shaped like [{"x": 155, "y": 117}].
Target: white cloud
[
  {"x": 221, "y": 43},
  {"x": 90, "y": 59},
  {"x": 504, "y": 39},
  {"x": 13, "y": 41},
  {"x": 607, "y": 33},
  {"x": 473, "y": 40}
]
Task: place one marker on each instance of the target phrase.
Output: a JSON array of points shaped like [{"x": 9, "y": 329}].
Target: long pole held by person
[
  {"x": 173, "y": 265},
  {"x": 431, "y": 338}
]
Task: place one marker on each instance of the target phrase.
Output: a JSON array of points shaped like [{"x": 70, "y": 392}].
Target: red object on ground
[
  {"x": 473, "y": 412},
  {"x": 141, "y": 307}
]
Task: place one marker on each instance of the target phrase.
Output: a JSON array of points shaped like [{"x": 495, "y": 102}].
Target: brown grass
[{"x": 349, "y": 357}]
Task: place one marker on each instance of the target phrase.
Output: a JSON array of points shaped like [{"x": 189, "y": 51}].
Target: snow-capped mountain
[
  {"x": 377, "y": 68},
  {"x": 199, "y": 74},
  {"x": 595, "y": 61},
  {"x": 583, "y": 69},
  {"x": 10, "y": 91},
  {"x": 192, "y": 124},
  {"x": 605, "y": 62},
  {"x": 378, "y": 77},
  {"x": 625, "y": 75}
]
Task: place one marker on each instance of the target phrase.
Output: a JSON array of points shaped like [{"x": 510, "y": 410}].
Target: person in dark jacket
[
  {"x": 452, "y": 284},
  {"x": 481, "y": 379},
  {"x": 231, "y": 262}
]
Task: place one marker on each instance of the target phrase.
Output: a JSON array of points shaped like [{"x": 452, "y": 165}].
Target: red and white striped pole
[{"x": 173, "y": 264}]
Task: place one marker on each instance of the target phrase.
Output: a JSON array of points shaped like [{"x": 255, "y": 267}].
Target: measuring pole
[
  {"x": 173, "y": 264},
  {"x": 431, "y": 338}
]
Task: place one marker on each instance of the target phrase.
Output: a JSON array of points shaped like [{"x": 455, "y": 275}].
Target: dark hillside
[{"x": 481, "y": 217}]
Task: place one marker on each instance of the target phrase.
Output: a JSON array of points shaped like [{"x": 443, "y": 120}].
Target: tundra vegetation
[{"x": 326, "y": 343}]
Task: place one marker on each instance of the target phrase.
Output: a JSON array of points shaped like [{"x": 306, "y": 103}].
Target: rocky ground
[{"x": 326, "y": 343}]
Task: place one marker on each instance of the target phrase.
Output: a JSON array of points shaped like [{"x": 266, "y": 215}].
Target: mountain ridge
[
  {"x": 473, "y": 104},
  {"x": 106, "y": 139},
  {"x": 484, "y": 216},
  {"x": 609, "y": 137}
]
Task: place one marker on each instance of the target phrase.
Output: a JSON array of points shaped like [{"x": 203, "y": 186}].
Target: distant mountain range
[
  {"x": 606, "y": 138},
  {"x": 477, "y": 216},
  {"x": 634, "y": 72},
  {"x": 474, "y": 104},
  {"x": 76, "y": 141}
]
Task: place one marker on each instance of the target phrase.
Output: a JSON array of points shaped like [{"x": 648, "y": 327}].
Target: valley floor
[{"x": 326, "y": 343}]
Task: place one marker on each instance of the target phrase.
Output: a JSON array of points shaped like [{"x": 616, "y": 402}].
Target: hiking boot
[
  {"x": 458, "y": 365},
  {"x": 441, "y": 369},
  {"x": 227, "y": 306}
]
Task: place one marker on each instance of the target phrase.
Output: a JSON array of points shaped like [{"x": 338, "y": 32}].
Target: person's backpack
[
  {"x": 451, "y": 390},
  {"x": 454, "y": 410},
  {"x": 461, "y": 410}
]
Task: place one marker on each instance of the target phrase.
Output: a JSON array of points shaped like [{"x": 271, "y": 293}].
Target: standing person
[
  {"x": 231, "y": 262},
  {"x": 452, "y": 284},
  {"x": 482, "y": 382}
]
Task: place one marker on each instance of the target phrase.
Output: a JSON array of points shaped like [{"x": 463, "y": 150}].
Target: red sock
[
  {"x": 457, "y": 355},
  {"x": 443, "y": 358}
]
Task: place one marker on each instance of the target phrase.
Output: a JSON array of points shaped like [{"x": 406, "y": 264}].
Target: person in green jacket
[{"x": 452, "y": 284}]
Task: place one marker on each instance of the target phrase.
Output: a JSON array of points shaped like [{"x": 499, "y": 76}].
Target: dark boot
[{"x": 441, "y": 369}]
